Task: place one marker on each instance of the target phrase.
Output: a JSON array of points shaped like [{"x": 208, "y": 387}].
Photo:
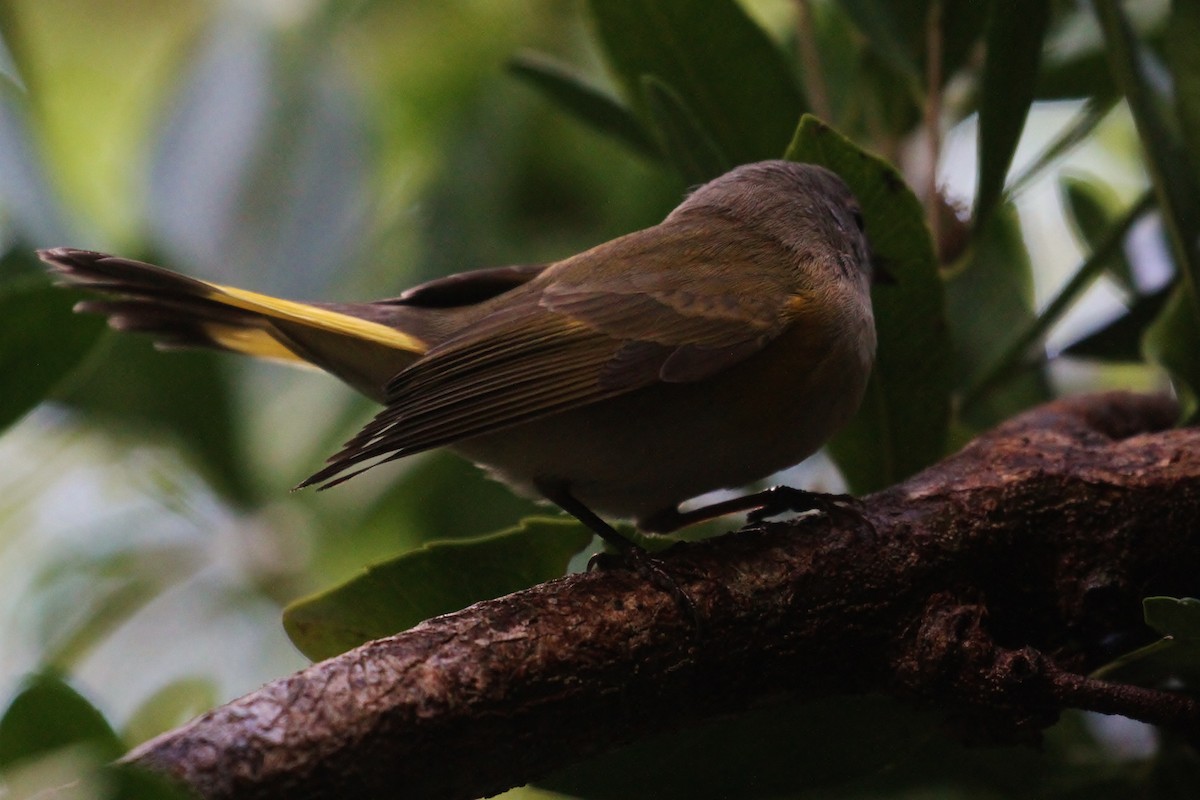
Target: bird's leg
[
  {"x": 761, "y": 505},
  {"x": 631, "y": 553}
]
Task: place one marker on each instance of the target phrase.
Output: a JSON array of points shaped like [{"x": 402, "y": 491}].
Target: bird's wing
[{"x": 617, "y": 318}]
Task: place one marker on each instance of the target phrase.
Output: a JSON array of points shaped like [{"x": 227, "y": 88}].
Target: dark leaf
[
  {"x": 586, "y": 103},
  {"x": 41, "y": 341},
  {"x": 723, "y": 66},
  {"x": 1087, "y": 205},
  {"x": 1183, "y": 58},
  {"x": 903, "y": 422},
  {"x": 1014, "y": 47},
  {"x": 696, "y": 157},
  {"x": 1121, "y": 339},
  {"x": 1177, "y": 186},
  {"x": 987, "y": 301}
]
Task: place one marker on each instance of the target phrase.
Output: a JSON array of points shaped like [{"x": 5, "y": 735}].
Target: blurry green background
[{"x": 346, "y": 150}]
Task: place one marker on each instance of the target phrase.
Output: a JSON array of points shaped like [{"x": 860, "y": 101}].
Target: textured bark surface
[{"x": 987, "y": 585}]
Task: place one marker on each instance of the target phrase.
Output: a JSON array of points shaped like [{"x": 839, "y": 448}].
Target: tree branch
[{"x": 986, "y": 585}]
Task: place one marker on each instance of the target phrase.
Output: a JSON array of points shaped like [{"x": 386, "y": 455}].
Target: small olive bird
[{"x": 725, "y": 343}]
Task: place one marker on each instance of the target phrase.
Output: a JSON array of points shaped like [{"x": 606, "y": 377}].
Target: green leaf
[
  {"x": 898, "y": 33},
  {"x": 1010, "y": 362},
  {"x": 1088, "y": 205},
  {"x": 1014, "y": 48},
  {"x": 46, "y": 715},
  {"x": 696, "y": 157},
  {"x": 434, "y": 579},
  {"x": 1173, "y": 173},
  {"x": 1175, "y": 657},
  {"x": 903, "y": 422},
  {"x": 586, "y": 103},
  {"x": 1183, "y": 59},
  {"x": 1121, "y": 339},
  {"x": 723, "y": 66},
  {"x": 1172, "y": 342},
  {"x": 988, "y": 300},
  {"x": 41, "y": 341},
  {"x": 1178, "y": 618}
]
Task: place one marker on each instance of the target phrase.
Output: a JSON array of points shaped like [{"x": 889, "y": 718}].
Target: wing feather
[{"x": 612, "y": 320}]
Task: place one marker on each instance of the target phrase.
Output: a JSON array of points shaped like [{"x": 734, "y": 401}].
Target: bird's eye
[{"x": 858, "y": 218}]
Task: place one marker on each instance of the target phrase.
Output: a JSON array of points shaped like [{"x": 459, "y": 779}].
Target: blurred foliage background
[{"x": 342, "y": 149}]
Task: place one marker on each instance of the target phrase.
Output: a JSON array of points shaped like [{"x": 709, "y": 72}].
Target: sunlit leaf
[
  {"x": 903, "y": 422},
  {"x": 1014, "y": 49},
  {"x": 697, "y": 158},
  {"x": 724, "y": 68},
  {"x": 434, "y": 579},
  {"x": 585, "y": 102}
]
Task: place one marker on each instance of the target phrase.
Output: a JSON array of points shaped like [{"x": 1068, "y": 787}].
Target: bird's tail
[{"x": 356, "y": 342}]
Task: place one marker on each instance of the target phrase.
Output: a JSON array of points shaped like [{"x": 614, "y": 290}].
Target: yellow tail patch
[{"x": 310, "y": 315}]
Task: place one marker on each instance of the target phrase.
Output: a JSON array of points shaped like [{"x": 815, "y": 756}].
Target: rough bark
[{"x": 986, "y": 585}]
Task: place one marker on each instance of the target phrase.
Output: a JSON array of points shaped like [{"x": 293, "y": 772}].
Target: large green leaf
[
  {"x": 902, "y": 425},
  {"x": 723, "y": 66},
  {"x": 1014, "y": 48},
  {"x": 988, "y": 301},
  {"x": 434, "y": 579},
  {"x": 41, "y": 341},
  {"x": 1016, "y": 354}
]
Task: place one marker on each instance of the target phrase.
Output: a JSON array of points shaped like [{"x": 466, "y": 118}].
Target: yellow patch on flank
[
  {"x": 319, "y": 318},
  {"x": 251, "y": 342}
]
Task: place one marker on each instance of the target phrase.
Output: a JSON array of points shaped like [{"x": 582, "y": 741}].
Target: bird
[{"x": 708, "y": 351}]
